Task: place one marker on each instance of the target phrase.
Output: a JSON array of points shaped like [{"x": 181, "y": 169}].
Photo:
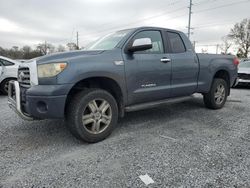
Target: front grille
[
  {"x": 24, "y": 76},
  {"x": 244, "y": 76}
]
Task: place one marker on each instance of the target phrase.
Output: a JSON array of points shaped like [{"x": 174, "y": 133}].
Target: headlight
[{"x": 50, "y": 69}]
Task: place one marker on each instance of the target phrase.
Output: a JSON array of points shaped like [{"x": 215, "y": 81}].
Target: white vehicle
[
  {"x": 8, "y": 72},
  {"x": 244, "y": 73}
]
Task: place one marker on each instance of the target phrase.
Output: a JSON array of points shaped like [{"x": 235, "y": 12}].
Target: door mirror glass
[{"x": 141, "y": 45}]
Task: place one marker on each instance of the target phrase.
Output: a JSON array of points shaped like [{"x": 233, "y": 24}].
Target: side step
[{"x": 156, "y": 103}]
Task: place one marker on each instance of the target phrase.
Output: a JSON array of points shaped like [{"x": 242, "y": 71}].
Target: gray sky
[{"x": 56, "y": 21}]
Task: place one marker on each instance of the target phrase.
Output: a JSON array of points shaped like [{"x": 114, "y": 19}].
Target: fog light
[{"x": 42, "y": 107}]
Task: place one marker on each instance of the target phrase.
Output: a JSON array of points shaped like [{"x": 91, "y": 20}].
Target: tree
[
  {"x": 15, "y": 48},
  {"x": 42, "y": 48},
  {"x": 3, "y": 52},
  {"x": 72, "y": 46},
  {"x": 226, "y": 45},
  {"x": 240, "y": 54},
  {"x": 60, "y": 48},
  {"x": 45, "y": 48},
  {"x": 26, "y": 52},
  {"x": 240, "y": 34}
]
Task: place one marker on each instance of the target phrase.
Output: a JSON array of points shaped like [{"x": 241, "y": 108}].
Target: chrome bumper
[
  {"x": 243, "y": 81},
  {"x": 14, "y": 100},
  {"x": 236, "y": 82}
]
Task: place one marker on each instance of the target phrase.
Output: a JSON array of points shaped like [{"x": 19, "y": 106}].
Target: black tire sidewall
[
  {"x": 216, "y": 82},
  {"x": 2, "y": 85},
  {"x": 84, "y": 99}
]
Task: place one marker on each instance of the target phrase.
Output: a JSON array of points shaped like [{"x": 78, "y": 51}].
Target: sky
[{"x": 29, "y": 22}]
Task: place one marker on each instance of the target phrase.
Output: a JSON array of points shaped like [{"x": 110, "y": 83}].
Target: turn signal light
[{"x": 236, "y": 61}]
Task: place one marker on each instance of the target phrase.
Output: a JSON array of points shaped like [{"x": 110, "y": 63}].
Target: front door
[{"x": 148, "y": 73}]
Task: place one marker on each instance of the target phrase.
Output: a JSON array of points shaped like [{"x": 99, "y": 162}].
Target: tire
[
  {"x": 98, "y": 109},
  {"x": 219, "y": 89},
  {"x": 4, "y": 85}
]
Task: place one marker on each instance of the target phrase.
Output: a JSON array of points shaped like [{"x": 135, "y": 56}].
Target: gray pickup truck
[{"x": 124, "y": 71}]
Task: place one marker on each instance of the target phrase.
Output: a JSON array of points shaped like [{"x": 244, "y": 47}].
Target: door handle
[{"x": 165, "y": 60}]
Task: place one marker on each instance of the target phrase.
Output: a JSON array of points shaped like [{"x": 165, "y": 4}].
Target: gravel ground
[{"x": 180, "y": 145}]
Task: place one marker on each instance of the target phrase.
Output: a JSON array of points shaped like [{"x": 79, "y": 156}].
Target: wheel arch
[
  {"x": 100, "y": 82},
  {"x": 225, "y": 75},
  {"x": 8, "y": 78},
  {"x": 2, "y": 82}
]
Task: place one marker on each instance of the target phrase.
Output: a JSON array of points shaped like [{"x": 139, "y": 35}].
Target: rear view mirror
[{"x": 141, "y": 45}]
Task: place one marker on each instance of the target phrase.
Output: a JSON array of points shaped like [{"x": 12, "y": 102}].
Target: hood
[
  {"x": 244, "y": 70},
  {"x": 66, "y": 55}
]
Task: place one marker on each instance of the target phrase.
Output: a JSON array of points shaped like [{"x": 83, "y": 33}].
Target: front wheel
[
  {"x": 4, "y": 86},
  {"x": 217, "y": 96},
  {"x": 92, "y": 115}
]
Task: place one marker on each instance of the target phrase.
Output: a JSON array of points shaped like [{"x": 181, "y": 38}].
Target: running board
[{"x": 156, "y": 103}]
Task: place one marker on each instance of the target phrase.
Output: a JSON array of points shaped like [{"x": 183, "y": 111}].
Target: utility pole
[
  {"x": 194, "y": 43},
  {"x": 217, "y": 48},
  {"x": 45, "y": 47},
  {"x": 189, "y": 19},
  {"x": 77, "y": 40}
]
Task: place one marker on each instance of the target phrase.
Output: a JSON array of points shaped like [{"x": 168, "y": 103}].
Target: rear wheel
[
  {"x": 92, "y": 115},
  {"x": 217, "y": 96},
  {"x": 5, "y": 85}
]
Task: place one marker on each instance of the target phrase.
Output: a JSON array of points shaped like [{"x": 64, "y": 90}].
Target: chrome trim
[
  {"x": 119, "y": 63},
  {"x": 236, "y": 82},
  {"x": 32, "y": 65},
  {"x": 243, "y": 81},
  {"x": 15, "y": 104},
  {"x": 165, "y": 60},
  {"x": 141, "y": 42}
]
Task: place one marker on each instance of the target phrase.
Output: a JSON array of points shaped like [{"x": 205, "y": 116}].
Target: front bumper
[
  {"x": 14, "y": 100},
  {"x": 38, "y": 102},
  {"x": 244, "y": 81},
  {"x": 236, "y": 82}
]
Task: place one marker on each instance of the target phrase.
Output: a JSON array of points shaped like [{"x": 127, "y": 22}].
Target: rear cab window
[{"x": 176, "y": 43}]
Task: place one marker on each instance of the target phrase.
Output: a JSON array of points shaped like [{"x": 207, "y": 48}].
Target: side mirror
[{"x": 141, "y": 45}]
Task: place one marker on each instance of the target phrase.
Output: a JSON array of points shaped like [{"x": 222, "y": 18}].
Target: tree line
[
  {"x": 239, "y": 36},
  {"x": 26, "y": 52}
]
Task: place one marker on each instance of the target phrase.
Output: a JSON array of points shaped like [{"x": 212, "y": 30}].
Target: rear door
[
  {"x": 185, "y": 67},
  {"x": 148, "y": 72}
]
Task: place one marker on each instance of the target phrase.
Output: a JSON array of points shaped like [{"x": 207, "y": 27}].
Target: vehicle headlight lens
[{"x": 50, "y": 70}]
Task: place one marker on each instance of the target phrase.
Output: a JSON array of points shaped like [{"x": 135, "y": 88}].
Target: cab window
[
  {"x": 176, "y": 42},
  {"x": 5, "y": 62},
  {"x": 156, "y": 39}
]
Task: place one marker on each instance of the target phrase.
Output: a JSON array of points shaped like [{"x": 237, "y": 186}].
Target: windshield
[
  {"x": 245, "y": 64},
  {"x": 108, "y": 42}
]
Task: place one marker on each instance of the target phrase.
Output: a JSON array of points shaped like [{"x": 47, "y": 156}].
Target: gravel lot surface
[{"x": 180, "y": 145}]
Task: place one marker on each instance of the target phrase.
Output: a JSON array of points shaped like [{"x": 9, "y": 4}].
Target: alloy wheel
[
  {"x": 220, "y": 94},
  {"x": 97, "y": 116}
]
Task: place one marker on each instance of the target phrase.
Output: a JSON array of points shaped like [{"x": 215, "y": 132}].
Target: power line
[
  {"x": 176, "y": 10},
  {"x": 164, "y": 13},
  {"x": 119, "y": 28},
  {"x": 168, "y": 12},
  {"x": 222, "y": 6},
  {"x": 204, "y": 2},
  {"x": 226, "y": 22},
  {"x": 157, "y": 15},
  {"x": 141, "y": 20}
]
